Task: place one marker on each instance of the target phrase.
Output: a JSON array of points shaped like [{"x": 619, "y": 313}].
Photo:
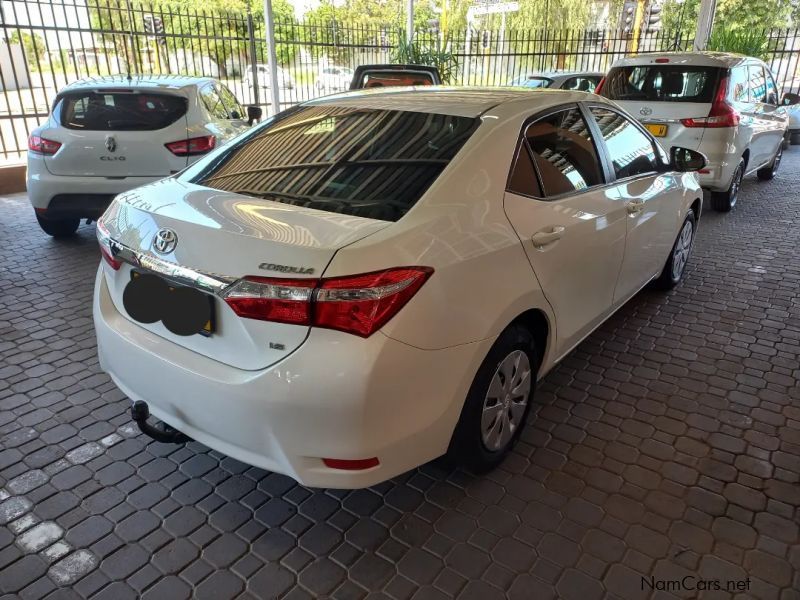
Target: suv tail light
[
  {"x": 192, "y": 146},
  {"x": 43, "y": 145},
  {"x": 357, "y": 304},
  {"x": 600, "y": 85},
  {"x": 722, "y": 114}
]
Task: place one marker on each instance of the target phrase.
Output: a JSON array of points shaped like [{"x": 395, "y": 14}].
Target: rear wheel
[
  {"x": 58, "y": 227},
  {"x": 498, "y": 402},
  {"x": 725, "y": 201},
  {"x": 676, "y": 263},
  {"x": 770, "y": 171}
]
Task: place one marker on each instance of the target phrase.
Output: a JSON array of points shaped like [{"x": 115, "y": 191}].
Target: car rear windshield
[
  {"x": 662, "y": 83},
  {"x": 121, "y": 110},
  {"x": 365, "y": 162},
  {"x": 372, "y": 79}
]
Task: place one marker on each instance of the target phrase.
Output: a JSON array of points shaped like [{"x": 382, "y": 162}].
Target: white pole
[
  {"x": 705, "y": 21},
  {"x": 409, "y": 21},
  {"x": 269, "y": 22}
]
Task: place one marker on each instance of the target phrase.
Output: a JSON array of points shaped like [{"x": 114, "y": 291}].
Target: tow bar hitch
[{"x": 164, "y": 433}]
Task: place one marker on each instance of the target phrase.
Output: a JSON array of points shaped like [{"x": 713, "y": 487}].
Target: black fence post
[{"x": 251, "y": 35}]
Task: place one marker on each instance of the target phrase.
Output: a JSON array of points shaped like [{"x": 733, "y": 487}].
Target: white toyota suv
[
  {"x": 107, "y": 135},
  {"x": 368, "y": 281},
  {"x": 726, "y": 106}
]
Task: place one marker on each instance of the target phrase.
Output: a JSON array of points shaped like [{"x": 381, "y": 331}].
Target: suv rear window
[
  {"x": 120, "y": 111},
  {"x": 662, "y": 83},
  {"x": 373, "y": 79},
  {"x": 365, "y": 162}
]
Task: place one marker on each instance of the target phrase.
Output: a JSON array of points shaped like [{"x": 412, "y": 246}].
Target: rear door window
[
  {"x": 772, "y": 89},
  {"x": 758, "y": 84},
  {"x": 121, "y": 111},
  {"x": 564, "y": 153},
  {"x": 632, "y": 152},
  {"x": 213, "y": 102},
  {"x": 740, "y": 84},
  {"x": 581, "y": 84},
  {"x": 662, "y": 83},
  {"x": 232, "y": 106},
  {"x": 365, "y": 162}
]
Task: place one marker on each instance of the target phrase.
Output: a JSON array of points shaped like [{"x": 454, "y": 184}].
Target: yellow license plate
[{"x": 657, "y": 130}]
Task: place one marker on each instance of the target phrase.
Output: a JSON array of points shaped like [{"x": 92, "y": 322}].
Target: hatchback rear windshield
[
  {"x": 365, "y": 162},
  {"x": 662, "y": 83},
  {"x": 120, "y": 111},
  {"x": 372, "y": 79}
]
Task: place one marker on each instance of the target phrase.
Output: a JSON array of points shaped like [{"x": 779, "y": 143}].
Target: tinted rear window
[
  {"x": 364, "y": 162},
  {"x": 662, "y": 83},
  {"x": 373, "y": 79},
  {"x": 120, "y": 111}
]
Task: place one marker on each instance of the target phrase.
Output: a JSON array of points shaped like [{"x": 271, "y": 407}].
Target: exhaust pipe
[{"x": 163, "y": 433}]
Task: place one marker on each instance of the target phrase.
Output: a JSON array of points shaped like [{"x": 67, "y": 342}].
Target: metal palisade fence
[{"x": 46, "y": 44}]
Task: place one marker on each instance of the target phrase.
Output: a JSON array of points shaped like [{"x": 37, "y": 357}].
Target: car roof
[
  {"x": 705, "y": 58},
  {"x": 457, "y": 101},
  {"x": 137, "y": 81}
]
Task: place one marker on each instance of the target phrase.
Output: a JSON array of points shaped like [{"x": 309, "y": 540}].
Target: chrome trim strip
[{"x": 207, "y": 282}]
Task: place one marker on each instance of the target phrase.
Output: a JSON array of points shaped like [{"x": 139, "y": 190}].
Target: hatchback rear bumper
[{"x": 338, "y": 396}]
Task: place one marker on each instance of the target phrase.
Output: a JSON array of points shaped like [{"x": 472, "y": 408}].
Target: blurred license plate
[
  {"x": 657, "y": 130},
  {"x": 183, "y": 310}
]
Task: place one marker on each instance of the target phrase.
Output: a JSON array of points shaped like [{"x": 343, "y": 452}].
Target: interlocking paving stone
[{"x": 666, "y": 444}]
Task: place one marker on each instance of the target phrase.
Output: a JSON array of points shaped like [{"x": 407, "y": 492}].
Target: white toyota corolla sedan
[{"x": 371, "y": 280}]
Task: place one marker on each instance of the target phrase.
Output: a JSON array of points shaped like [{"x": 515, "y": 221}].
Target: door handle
[
  {"x": 634, "y": 207},
  {"x": 547, "y": 236}
]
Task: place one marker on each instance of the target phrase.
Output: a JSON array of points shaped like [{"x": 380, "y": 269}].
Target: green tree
[
  {"x": 732, "y": 14},
  {"x": 32, "y": 45}
]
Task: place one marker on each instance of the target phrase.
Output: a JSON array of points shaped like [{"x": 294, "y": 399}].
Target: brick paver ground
[{"x": 667, "y": 445}]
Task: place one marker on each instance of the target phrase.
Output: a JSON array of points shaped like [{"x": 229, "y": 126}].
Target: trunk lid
[
  {"x": 230, "y": 236},
  {"x": 668, "y": 115},
  {"x": 117, "y": 133}
]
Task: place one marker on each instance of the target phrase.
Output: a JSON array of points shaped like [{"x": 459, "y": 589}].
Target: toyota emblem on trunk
[
  {"x": 645, "y": 111},
  {"x": 165, "y": 240},
  {"x": 111, "y": 143}
]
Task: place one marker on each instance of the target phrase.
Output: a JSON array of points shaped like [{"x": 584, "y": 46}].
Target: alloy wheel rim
[
  {"x": 680, "y": 256},
  {"x": 506, "y": 400}
]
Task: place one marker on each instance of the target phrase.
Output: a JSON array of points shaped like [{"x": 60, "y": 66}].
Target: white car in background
[
  {"x": 580, "y": 81},
  {"x": 726, "y": 106},
  {"x": 334, "y": 79},
  {"x": 262, "y": 76},
  {"x": 392, "y": 271},
  {"x": 107, "y": 135}
]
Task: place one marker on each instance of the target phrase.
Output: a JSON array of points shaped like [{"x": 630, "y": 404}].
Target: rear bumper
[
  {"x": 75, "y": 196},
  {"x": 337, "y": 396}
]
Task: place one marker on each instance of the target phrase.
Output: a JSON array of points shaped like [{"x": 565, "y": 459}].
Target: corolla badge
[
  {"x": 111, "y": 143},
  {"x": 165, "y": 240},
  {"x": 645, "y": 111}
]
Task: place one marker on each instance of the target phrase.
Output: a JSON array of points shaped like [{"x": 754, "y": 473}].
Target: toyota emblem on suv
[
  {"x": 111, "y": 143},
  {"x": 165, "y": 240},
  {"x": 645, "y": 111}
]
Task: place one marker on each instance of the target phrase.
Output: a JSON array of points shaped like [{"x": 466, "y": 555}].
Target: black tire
[
  {"x": 725, "y": 201},
  {"x": 59, "y": 227},
  {"x": 794, "y": 138},
  {"x": 771, "y": 170},
  {"x": 467, "y": 446},
  {"x": 670, "y": 276}
]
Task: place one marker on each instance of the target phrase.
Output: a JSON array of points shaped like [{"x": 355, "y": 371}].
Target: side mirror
[
  {"x": 254, "y": 114},
  {"x": 790, "y": 99},
  {"x": 687, "y": 161}
]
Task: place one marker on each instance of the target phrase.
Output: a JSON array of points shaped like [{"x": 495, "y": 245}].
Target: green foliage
[
  {"x": 430, "y": 52},
  {"x": 749, "y": 42},
  {"x": 32, "y": 45},
  {"x": 731, "y": 14}
]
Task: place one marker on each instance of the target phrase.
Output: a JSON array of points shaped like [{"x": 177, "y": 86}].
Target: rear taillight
[
  {"x": 42, "y": 145},
  {"x": 104, "y": 243},
  {"x": 722, "y": 114},
  {"x": 192, "y": 146},
  {"x": 600, "y": 85},
  {"x": 358, "y": 304}
]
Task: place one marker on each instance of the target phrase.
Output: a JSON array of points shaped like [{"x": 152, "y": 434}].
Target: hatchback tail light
[
  {"x": 43, "y": 145},
  {"x": 722, "y": 114},
  {"x": 357, "y": 304},
  {"x": 192, "y": 146}
]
